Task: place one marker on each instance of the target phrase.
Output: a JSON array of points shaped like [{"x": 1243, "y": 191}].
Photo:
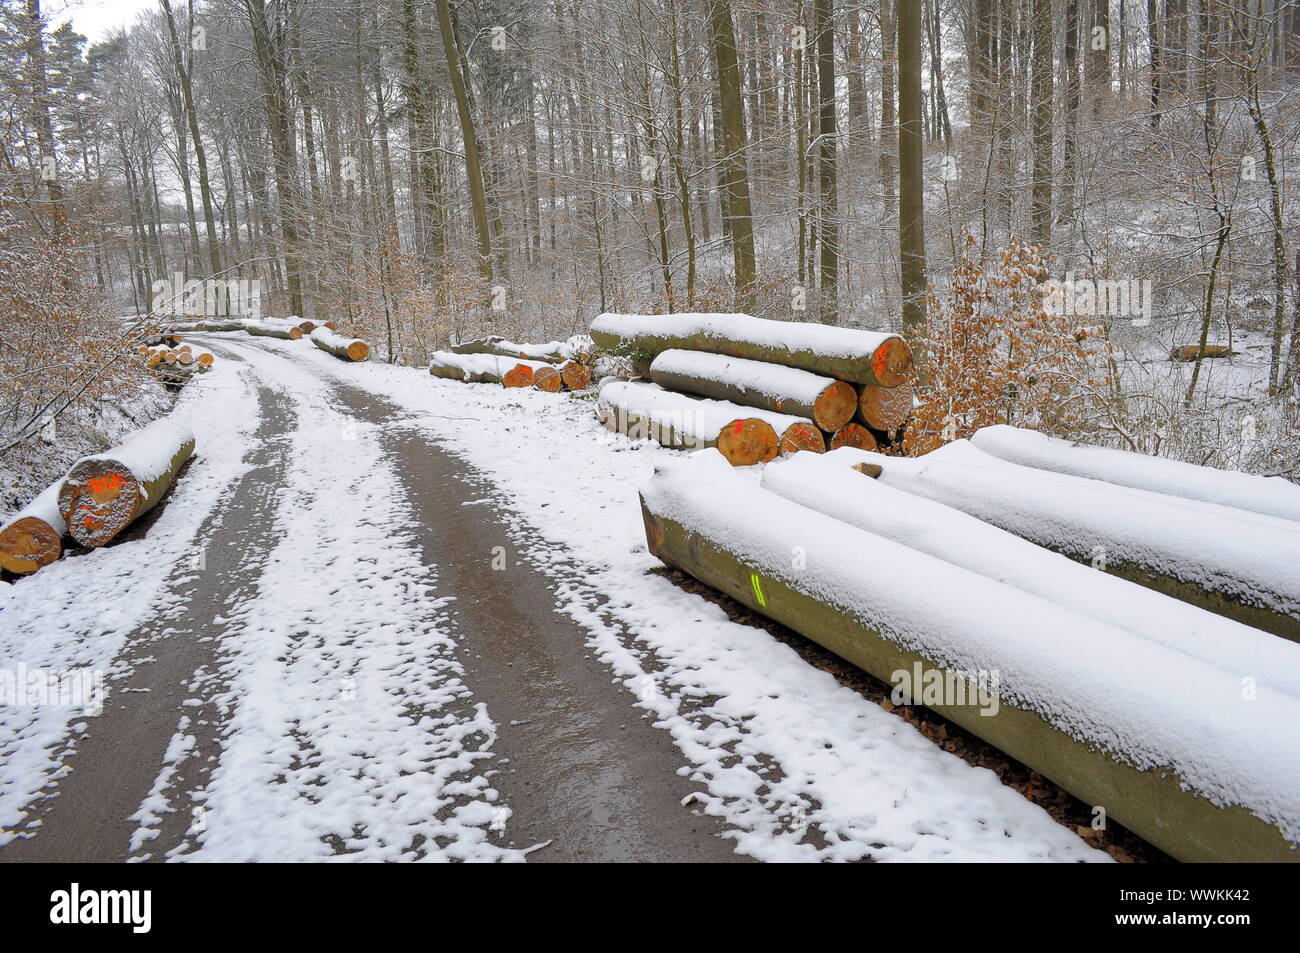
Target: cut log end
[
  {"x": 98, "y": 500},
  {"x": 853, "y": 435},
  {"x": 358, "y": 351},
  {"x": 891, "y": 364},
  {"x": 802, "y": 437},
  {"x": 28, "y": 544},
  {"x": 576, "y": 376},
  {"x": 885, "y": 408},
  {"x": 521, "y": 375},
  {"x": 748, "y": 441},
  {"x": 835, "y": 406},
  {"x": 548, "y": 379}
]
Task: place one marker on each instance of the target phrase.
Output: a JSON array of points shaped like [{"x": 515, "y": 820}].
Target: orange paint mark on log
[{"x": 108, "y": 483}]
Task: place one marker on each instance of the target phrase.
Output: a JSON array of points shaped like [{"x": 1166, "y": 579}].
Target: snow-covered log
[
  {"x": 705, "y": 422},
  {"x": 647, "y": 411},
  {"x": 484, "y": 368},
  {"x": 273, "y": 329},
  {"x": 885, "y": 408},
  {"x": 853, "y": 435},
  {"x": 1242, "y": 565},
  {"x": 103, "y": 493},
  {"x": 848, "y": 354},
  {"x": 33, "y": 537},
  {"x": 832, "y": 485},
  {"x": 553, "y": 352},
  {"x": 829, "y": 403},
  {"x": 1164, "y": 741},
  {"x": 307, "y": 325},
  {"x": 576, "y": 376},
  {"x": 1272, "y": 496},
  {"x": 1188, "y": 352},
  {"x": 345, "y": 348}
]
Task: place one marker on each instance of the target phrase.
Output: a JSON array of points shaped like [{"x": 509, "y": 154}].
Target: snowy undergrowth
[
  {"x": 800, "y": 767},
  {"x": 75, "y": 615},
  {"x": 349, "y": 734}
]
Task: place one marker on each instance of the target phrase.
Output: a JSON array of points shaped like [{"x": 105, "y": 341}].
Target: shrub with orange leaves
[{"x": 997, "y": 355}]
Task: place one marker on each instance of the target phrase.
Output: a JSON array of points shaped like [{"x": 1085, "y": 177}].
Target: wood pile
[
  {"x": 98, "y": 498},
  {"x": 842, "y": 387},
  {"x": 552, "y": 367},
  {"x": 175, "y": 365}
]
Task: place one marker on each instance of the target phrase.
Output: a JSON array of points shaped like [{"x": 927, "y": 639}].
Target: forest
[{"x": 426, "y": 171}]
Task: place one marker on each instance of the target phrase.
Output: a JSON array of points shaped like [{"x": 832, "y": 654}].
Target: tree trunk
[
  {"x": 911, "y": 189},
  {"x": 469, "y": 136},
  {"x": 735, "y": 172}
]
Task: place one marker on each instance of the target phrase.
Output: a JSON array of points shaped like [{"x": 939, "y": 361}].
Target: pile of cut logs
[
  {"x": 323, "y": 333},
  {"x": 553, "y": 367},
  {"x": 173, "y": 362},
  {"x": 752, "y": 387},
  {"x": 98, "y": 498}
]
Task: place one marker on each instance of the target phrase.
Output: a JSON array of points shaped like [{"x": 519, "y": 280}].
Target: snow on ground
[
  {"x": 800, "y": 767},
  {"x": 73, "y": 617}
]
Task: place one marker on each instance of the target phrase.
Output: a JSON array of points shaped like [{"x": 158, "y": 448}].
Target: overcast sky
[{"x": 95, "y": 18}]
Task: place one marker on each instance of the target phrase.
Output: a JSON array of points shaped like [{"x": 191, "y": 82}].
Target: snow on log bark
[
  {"x": 848, "y": 354},
  {"x": 345, "y": 348},
  {"x": 1163, "y": 740},
  {"x": 885, "y": 408},
  {"x": 1272, "y": 496},
  {"x": 834, "y": 485},
  {"x": 553, "y": 352},
  {"x": 270, "y": 329},
  {"x": 484, "y": 368},
  {"x": 103, "y": 493},
  {"x": 744, "y": 435},
  {"x": 829, "y": 403},
  {"x": 33, "y": 537},
  {"x": 652, "y": 402},
  {"x": 853, "y": 435},
  {"x": 1245, "y": 566}
]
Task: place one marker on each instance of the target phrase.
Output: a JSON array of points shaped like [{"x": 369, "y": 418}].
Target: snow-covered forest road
[{"x": 389, "y": 617}]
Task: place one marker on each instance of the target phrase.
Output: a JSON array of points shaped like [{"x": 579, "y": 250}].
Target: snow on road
[{"x": 349, "y": 731}]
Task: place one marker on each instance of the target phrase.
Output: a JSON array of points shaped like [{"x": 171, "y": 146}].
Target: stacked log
[
  {"x": 876, "y": 358},
  {"x": 344, "y": 348},
  {"x": 175, "y": 366},
  {"x": 849, "y": 387},
  {"x": 33, "y": 537},
  {"x": 1270, "y": 496},
  {"x": 829, "y": 403},
  {"x": 273, "y": 329},
  {"x": 744, "y": 435},
  {"x": 105, "y": 492},
  {"x": 555, "y": 352},
  {"x": 1158, "y": 735},
  {"x": 1232, "y": 562},
  {"x": 482, "y": 362}
]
